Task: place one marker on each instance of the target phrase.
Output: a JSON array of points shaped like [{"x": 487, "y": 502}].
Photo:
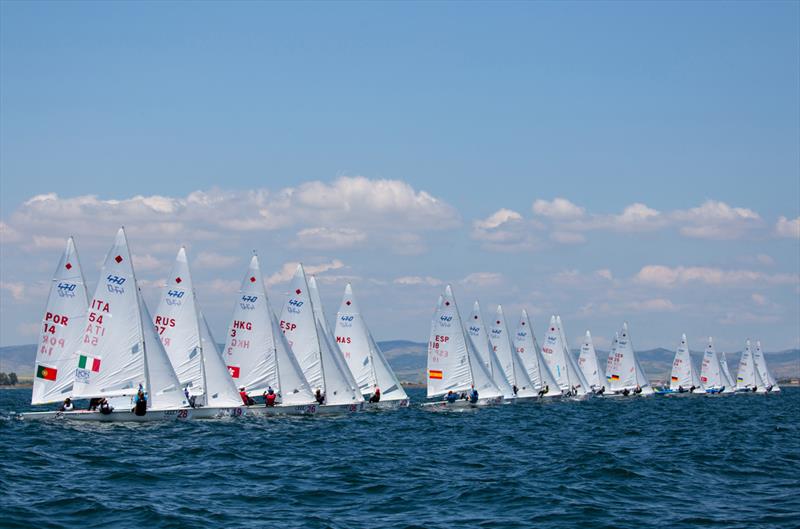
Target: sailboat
[
  {"x": 590, "y": 367},
  {"x": 748, "y": 378},
  {"x": 627, "y": 375},
  {"x": 529, "y": 351},
  {"x": 191, "y": 349},
  {"x": 730, "y": 383},
  {"x": 510, "y": 361},
  {"x": 364, "y": 358},
  {"x": 761, "y": 365},
  {"x": 453, "y": 364},
  {"x": 322, "y": 365},
  {"x": 711, "y": 371},
  {"x": 684, "y": 376},
  {"x": 479, "y": 338},
  {"x": 561, "y": 364},
  {"x": 570, "y": 358},
  {"x": 63, "y": 323},
  {"x": 121, "y": 352},
  {"x": 257, "y": 355}
]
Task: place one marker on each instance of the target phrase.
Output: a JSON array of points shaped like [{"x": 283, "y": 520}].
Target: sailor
[
  {"x": 573, "y": 391},
  {"x": 451, "y": 397},
  {"x": 376, "y": 395},
  {"x": 66, "y": 405},
  {"x": 473, "y": 395},
  {"x": 93, "y": 403},
  {"x": 269, "y": 397},
  {"x": 601, "y": 391},
  {"x": 515, "y": 389},
  {"x": 680, "y": 389},
  {"x": 245, "y": 397},
  {"x": 626, "y": 392},
  {"x": 319, "y": 397},
  {"x": 140, "y": 403},
  {"x": 638, "y": 389},
  {"x": 105, "y": 407},
  {"x": 189, "y": 398}
]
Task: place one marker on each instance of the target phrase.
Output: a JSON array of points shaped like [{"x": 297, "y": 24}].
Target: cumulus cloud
[
  {"x": 504, "y": 230},
  {"x": 214, "y": 260},
  {"x": 665, "y": 276},
  {"x": 483, "y": 279},
  {"x": 716, "y": 220},
  {"x": 788, "y": 227},
  {"x": 327, "y": 238},
  {"x": 558, "y": 208},
  {"x": 417, "y": 280},
  {"x": 652, "y": 305},
  {"x": 759, "y": 299},
  {"x": 288, "y": 270},
  {"x": 16, "y": 289}
]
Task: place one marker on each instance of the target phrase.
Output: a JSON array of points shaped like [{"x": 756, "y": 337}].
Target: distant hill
[{"x": 408, "y": 359}]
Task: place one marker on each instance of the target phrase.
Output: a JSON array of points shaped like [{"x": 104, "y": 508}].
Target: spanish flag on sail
[{"x": 435, "y": 374}]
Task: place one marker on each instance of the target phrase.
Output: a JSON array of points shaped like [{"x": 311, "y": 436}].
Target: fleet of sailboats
[{"x": 135, "y": 367}]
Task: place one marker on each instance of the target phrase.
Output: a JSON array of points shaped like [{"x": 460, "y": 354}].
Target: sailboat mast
[{"x": 141, "y": 325}]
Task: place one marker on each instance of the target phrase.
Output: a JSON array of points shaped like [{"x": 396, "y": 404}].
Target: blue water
[{"x": 666, "y": 461}]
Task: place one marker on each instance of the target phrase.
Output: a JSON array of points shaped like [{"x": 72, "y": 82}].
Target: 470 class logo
[
  {"x": 114, "y": 284},
  {"x": 66, "y": 290},
  {"x": 249, "y": 299}
]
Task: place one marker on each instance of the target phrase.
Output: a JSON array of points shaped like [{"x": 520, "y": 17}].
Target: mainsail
[
  {"x": 748, "y": 377},
  {"x": 711, "y": 371},
  {"x": 730, "y": 383},
  {"x": 515, "y": 371},
  {"x": 587, "y": 361},
  {"x": 320, "y": 363},
  {"x": 564, "y": 371},
  {"x": 453, "y": 364},
  {"x": 684, "y": 375},
  {"x": 583, "y": 383},
  {"x": 476, "y": 330},
  {"x": 364, "y": 358},
  {"x": 626, "y": 371},
  {"x": 528, "y": 349},
  {"x": 763, "y": 370},
  {"x": 63, "y": 325}
]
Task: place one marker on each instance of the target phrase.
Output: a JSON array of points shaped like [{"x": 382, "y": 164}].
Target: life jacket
[
  {"x": 244, "y": 397},
  {"x": 270, "y": 398}
]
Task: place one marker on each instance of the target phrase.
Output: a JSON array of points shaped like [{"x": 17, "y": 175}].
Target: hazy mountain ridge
[{"x": 408, "y": 359}]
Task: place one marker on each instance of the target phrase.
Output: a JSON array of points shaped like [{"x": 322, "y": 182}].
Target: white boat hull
[
  {"x": 462, "y": 404},
  {"x": 114, "y": 416},
  {"x": 283, "y": 409},
  {"x": 341, "y": 409},
  {"x": 388, "y": 404},
  {"x": 219, "y": 413}
]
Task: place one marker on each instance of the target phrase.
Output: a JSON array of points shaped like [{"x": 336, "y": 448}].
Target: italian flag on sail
[
  {"x": 47, "y": 373},
  {"x": 89, "y": 362}
]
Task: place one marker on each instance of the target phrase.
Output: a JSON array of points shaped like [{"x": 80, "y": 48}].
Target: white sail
[
  {"x": 611, "y": 364},
  {"x": 515, "y": 371},
  {"x": 587, "y": 361},
  {"x": 748, "y": 377},
  {"x": 249, "y": 350},
  {"x": 730, "y": 383},
  {"x": 452, "y": 363},
  {"x": 322, "y": 366},
  {"x": 476, "y": 330},
  {"x": 178, "y": 327},
  {"x": 327, "y": 336},
  {"x": 362, "y": 355},
  {"x": 63, "y": 325},
  {"x": 583, "y": 384},
  {"x": 557, "y": 360},
  {"x": 683, "y": 375},
  {"x": 763, "y": 370},
  {"x": 220, "y": 391},
  {"x": 711, "y": 371},
  {"x": 293, "y": 388},
  {"x": 531, "y": 354},
  {"x": 627, "y": 372},
  {"x": 163, "y": 388},
  {"x": 111, "y": 355}
]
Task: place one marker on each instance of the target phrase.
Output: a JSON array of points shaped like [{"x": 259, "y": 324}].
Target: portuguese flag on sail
[
  {"x": 47, "y": 373},
  {"x": 88, "y": 362}
]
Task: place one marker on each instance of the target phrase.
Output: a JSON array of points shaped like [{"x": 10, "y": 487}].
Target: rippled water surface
[{"x": 664, "y": 461}]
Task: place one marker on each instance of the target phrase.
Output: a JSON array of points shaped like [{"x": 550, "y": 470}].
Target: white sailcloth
[
  {"x": 583, "y": 384},
  {"x": 587, "y": 361},
  {"x": 476, "y": 330},
  {"x": 220, "y": 391},
  {"x": 313, "y": 352},
  {"x": 557, "y": 360},
  {"x": 177, "y": 324},
  {"x": 111, "y": 355},
  {"x": 683, "y": 375},
  {"x": 627, "y": 372},
  {"x": 163, "y": 388},
  {"x": 453, "y": 364},
  {"x": 531, "y": 354},
  {"x": 363, "y": 356},
  {"x": 515, "y": 371},
  {"x": 611, "y": 364},
  {"x": 730, "y": 384},
  {"x": 747, "y": 376},
  {"x": 63, "y": 325},
  {"x": 711, "y": 371},
  {"x": 763, "y": 370}
]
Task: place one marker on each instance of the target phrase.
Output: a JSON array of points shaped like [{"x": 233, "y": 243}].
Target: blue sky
[{"x": 346, "y": 117}]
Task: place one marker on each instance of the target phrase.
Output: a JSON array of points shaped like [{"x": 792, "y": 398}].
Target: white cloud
[
  {"x": 146, "y": 262},
  {"x": 16, "y": 289},
  {"x": 8, "y": 234},
  {"x": 558, "y": 208},
  {"x": 497, "y": 219},
  {"x": 483, "y": 279},
  {"x": 652, "y": 305},
  {"x": 328, "y": 238},
  {"x": 664, "y": 276},
  {"x": 567, "y": 237},
  {"x": 716, "y": 220},
  {"x": 288, "y": 270},
  {"x": 214, "y": 260},
  {"x": 759, "y": 299},
  {"x": 604, "y": 273},
  {"x": 788, "y": 227},
  {"x": 504, "y": 230},
  {"x": 417, "y": 280}
]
